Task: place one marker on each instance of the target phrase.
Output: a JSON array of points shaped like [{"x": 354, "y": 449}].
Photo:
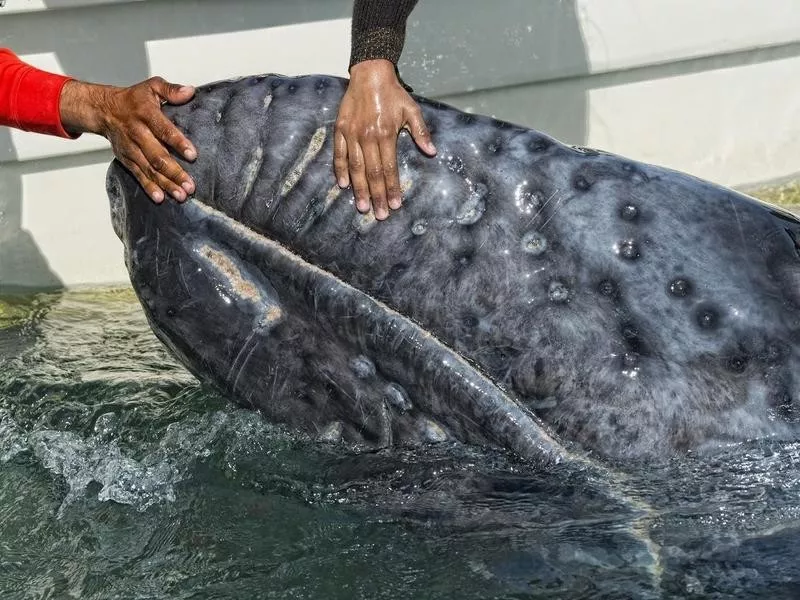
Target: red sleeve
[{"x": 30, "y": 99}]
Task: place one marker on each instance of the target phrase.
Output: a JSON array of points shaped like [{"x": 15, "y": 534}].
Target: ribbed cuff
[
  {"x": 380, "y": 43},
  {"x": 36, "y": 102},
  {"x": 379, "y": 29}
]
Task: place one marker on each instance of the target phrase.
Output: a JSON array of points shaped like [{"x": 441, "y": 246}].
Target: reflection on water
[{"x": 122, "y": 477}]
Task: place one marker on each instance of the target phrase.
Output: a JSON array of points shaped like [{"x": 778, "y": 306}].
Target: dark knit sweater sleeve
[{"x": 379, "y": 29}]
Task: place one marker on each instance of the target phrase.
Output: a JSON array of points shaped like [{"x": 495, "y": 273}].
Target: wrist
[
  {"x": 81, "y": 107},
  {"x": 373, "y": 69}
]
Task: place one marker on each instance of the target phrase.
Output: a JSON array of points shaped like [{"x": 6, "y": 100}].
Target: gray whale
[{"x": 551, "y": 300}]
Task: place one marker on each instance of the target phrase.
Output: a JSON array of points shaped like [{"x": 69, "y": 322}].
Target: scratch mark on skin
[
  {"x": 314, "y": 146},
  {"x": 738, "y": 222},
  {"x": 314, "y": 210},
  {"x": 246, "y": 358},
  {"x": 182, "y": 275},
  {"x": 538, "y": 212},
  {"x": 355, "y": 402},
  {"x": 552, "y": 214},
  {"x": 158, "y": 276},
  {"x": 249, "y": 399},
  {"x": 387, "y": 437},
  {"x": 360, "y": 406},
  {"x": 238, "y": 356},
  {"x": 338, "y": 387},
  {"x": 272, "y": 386}
]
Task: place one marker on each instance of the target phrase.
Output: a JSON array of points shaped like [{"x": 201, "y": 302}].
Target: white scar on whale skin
[
  {"x": 251, "y": 171},
  {"x": 238, "y": 284},
  {"x": 314, "y": 146},
  {"x": 331, "y": 197}
]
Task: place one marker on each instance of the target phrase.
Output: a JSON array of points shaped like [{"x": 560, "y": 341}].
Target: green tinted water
[{"x": 122, "y": 477}]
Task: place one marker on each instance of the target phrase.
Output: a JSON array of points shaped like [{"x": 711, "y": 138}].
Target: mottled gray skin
[{"x": 528, "y": 294}]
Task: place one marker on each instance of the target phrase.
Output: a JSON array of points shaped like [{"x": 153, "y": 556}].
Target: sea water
[{"x": 123, "y": 477}]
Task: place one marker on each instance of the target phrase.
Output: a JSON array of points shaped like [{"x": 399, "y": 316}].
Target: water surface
[{"x": 122, "y": 477}]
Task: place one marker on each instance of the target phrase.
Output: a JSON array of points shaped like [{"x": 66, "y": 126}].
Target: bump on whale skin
[{"x": 528, "y": 294}]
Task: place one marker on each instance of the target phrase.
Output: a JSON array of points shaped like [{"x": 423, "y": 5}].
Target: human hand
[
  {"x": 132, "y": 120},
  {"x": 372, "y": 112}
]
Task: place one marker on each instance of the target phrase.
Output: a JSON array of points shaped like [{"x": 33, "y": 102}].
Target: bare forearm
[{"x": 82, "y": 107}]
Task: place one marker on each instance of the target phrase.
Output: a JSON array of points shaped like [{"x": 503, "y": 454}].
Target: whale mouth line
[{"x": 503, "y": 406}]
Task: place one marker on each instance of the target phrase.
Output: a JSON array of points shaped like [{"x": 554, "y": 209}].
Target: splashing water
[{"x": 123, "y": 477}]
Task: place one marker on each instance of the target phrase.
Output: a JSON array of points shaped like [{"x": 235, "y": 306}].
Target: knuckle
[
  {"x": 148, "y": 111},
  {"x": 163, "y": 164},
  {"x": 375, "y": 172},
  {"x": 381, "y": 134},
  {"x": 346, "y": 129},
  {"x": 147, "y": 182},
  {"x": 356, "y": 163},
  {"x": 159, "y": 162},
  {"x": 139, "y": 132},
  {"x": 149, "y": 172},
  {"x": 132, "y": 167},
  {"x": 365, "y": 132},
  {"x": 168, "y": 133}
]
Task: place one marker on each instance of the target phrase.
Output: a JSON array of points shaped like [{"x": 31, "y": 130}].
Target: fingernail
[
  {"x": 342, "y": 182},
  {"x": 394, "y": 203},
  {"x": 381, "y": 214},
  {"x": 178, "y": 195},
  {"x": 363, "y": 206},
  {"x": 189, "y": 153},
  {"x": 158, "y": 196},
  {"x": 186, "y": 88},
  {"x": 188, "y": 186}
]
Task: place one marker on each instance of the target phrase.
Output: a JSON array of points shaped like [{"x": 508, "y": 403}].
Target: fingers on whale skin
[
  {"x": 415, "y": 124},
  {"x": 376, "y": 180},
  {"x": 365, "y": 148},
  {"x": 355, "y": 159},
  {"x": 141, "y": 136},
  {"x": 340, "y": 159},
  {"x": 175, "y": 94},
  {"x": 388, "y": 151}
]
